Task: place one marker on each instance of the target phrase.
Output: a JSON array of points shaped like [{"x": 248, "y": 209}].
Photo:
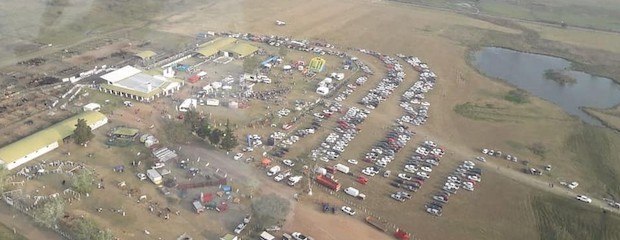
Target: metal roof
[
  {"x": 38, "y": 140},
  {"x": 243, "y": 49},
  {"x": 212, "y": 47},
  {"x": 145, "y": 54},
  {"x": 121, "y": 73}
]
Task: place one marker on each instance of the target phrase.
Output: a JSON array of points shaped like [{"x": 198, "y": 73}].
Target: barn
[{"x": 44, "y": 141}]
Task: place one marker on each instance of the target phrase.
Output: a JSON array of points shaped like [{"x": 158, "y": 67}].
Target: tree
[
  {"x": 82, "y": 133},
  {"x": 216, "y": 136},
  {"x": 192, "y": 119},
  {"x": 83, "y": 181},
  {"x": 204, "y": 130},
  {"x": 50, "y": 212},
  {"x": 270, "y": 209},
  {"x": 250, "y": 64},
  {"x": 229, "y": 140},
  {"x": 87, "y": 229}
]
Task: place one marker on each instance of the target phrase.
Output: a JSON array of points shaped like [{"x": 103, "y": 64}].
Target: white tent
[{"x": 322, "y": 90}]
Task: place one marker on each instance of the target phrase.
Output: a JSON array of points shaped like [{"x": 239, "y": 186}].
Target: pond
[{"x": 527, "y": 71}]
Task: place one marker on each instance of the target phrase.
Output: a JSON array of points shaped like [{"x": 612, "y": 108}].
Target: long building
[
  {"x": 132, "y": 83},
  {"x": 44, "y": 141}
]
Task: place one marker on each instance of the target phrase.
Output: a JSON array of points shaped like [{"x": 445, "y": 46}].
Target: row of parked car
[
  {"x": 418, "y": 168},
  {"x": 383, "y": 153},
  {"x": 466, "y": 176},
  {"x": 395, "y": 76},
  {"x": 335, "y": 143}
]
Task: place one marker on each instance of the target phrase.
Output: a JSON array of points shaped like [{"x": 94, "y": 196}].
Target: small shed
[
  {"x": 233, "y": 104},
  {"x": 145, "y": 55},
  {"x": 198, "y": 207},
  {"x": 229, "y": 236},
  {"x": 92, "y": 107}
]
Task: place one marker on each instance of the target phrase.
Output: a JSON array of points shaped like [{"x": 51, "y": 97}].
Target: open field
[
  {"x": 595, "y": 14},
  {"x": 469, "y": 112}
]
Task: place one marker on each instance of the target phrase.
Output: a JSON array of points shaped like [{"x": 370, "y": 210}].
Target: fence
[{"x": 18, "y": 204}]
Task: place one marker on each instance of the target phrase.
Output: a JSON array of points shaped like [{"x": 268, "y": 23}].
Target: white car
[
  {"x": 348, "y": 210},
  {"x": 409, "y": 170},
  {"x": 369, "y": 172},
  {"x": 423, "y": 175},
  {"x": 288, "y": 162},
  {"x": 158, "y": 165},
  {"x": 584, "y": 198},
  {"x": 352, "y": 161},
  {"x": 238, "y": 156},
  {"x": 474, "y": 178},
  {"x": 279, "y": 177},
  {"x": 299, "y": 236},
  {"x": 411, "y": 167},
  {"x": 141, "y": 176},
  {"x": 426, "y": 169},
  {"x": 573, "y": 185},
  {"x": 404, "y": 176},
  {"x": 240, "y": 228}
]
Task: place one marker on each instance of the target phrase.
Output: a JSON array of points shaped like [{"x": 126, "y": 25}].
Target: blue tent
[{"x": 227, "y": 189}]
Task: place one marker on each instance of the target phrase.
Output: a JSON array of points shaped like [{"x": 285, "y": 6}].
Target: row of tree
[{"x": 225, "y": 138}]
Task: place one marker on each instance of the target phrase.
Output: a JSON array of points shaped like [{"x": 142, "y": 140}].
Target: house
[{"x": 92, "y": 107}]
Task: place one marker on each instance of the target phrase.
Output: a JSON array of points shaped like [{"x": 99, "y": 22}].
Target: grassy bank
[
  {"x": 567, "y": 219},
  {"x": 609, "y": 117},
  {"x": 595, "y": 152}
]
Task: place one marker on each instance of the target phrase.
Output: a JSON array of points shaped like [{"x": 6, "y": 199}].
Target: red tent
[
  {"x": 194, "y": 78},
  {"x": 205, "y": 198}
]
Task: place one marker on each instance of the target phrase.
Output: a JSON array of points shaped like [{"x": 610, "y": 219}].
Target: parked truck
[
  {"x": 342, "y": 168},
  {"x": 355, "y": 193},
  {"x": 294, "y": 180},
  {"x": 377, "y": 223},
  {"x": 154, "y": 176},
  {"x": 328, "y": 182}
]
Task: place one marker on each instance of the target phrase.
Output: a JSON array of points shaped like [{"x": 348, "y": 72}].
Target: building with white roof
[{"x": 131, "y": 82}]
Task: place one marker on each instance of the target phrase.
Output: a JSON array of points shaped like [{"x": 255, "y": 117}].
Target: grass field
[
  {"x": 7, "y": 234},
  {"x": 557, "y": 222},
  {"x": 597, "y": 14}
]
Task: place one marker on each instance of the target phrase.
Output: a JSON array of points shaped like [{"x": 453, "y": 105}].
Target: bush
[{"x": 516, "y": 96}]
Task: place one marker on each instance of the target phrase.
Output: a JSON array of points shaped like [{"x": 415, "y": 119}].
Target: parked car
[
  {"x": 288, "y": 162},
  {"x": 141, "y": 176},
  {"x": 584, "y": 198},
  {"x": 240, "y": 228},
  {"x": 238, "y": 156},
  {"x": 299, "y": 236},
  {"x": 352, "y": 161},
  {"x": 404, "y": 176},
  {"x": 348, "y": 210}
]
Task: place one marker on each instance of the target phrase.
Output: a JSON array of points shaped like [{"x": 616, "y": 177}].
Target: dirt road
[
  {"x": 513, "y": 172},
  {"x": 303, "y": 217}
]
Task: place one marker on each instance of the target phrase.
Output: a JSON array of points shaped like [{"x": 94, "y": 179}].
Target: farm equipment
[{"x": 377, "y": 223}]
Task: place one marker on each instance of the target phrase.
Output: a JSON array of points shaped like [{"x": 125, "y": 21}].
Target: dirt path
[
  {"x": 304, "y": 216},
  {"x": 514, "y": 174}
]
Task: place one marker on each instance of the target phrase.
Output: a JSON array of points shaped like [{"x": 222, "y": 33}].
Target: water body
[{"x": 526, "y": 71}]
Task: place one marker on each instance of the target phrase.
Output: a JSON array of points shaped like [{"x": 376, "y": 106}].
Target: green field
[
  {"x": 597, "y": 14},
  {"x": 567, "y": 219}
]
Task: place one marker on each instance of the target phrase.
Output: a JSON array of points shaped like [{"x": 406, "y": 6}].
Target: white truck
[
  {"x": 154, "y": 176},
  {"x": 294, "y": 180},
  {"x": 355, "y": 193},
  {"x": 342, "y": 168},
  {"x": 273, "y": 170}
]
